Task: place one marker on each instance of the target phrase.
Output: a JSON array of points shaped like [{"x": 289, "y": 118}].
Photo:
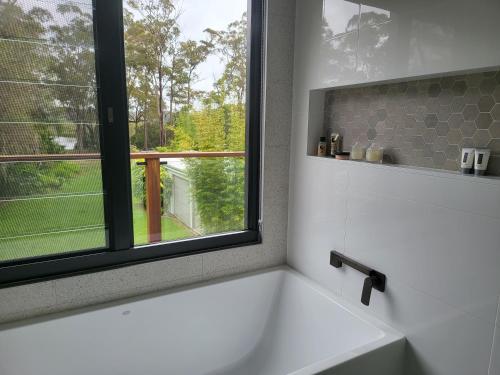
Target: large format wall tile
[
  {"x": 428, "y": 187},
  {"x": 396, "y": 39},
  {"x": 495, "y": 353},
  {"x": 441, "y": 261},
  {"x": 442, "y": 340}
]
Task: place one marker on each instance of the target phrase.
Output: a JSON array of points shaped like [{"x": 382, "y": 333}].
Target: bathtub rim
[
  {"x": 388, "y": 334},
  {"x": 199, "y": 283}
]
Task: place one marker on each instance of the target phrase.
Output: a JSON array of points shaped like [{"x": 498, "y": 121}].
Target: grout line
[
  {"x": 420, "y": 202},
  {"x": 497, "y": 322},
  {"x": 346, "y": 221}
]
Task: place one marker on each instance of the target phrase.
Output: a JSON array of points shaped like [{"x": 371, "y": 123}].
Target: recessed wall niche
[{"x": 422, "y": 123}]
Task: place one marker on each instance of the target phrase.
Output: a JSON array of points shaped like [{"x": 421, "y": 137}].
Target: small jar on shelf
[
  {"x": 374, "y": 154},
  {"x": 358, "y": 152}
]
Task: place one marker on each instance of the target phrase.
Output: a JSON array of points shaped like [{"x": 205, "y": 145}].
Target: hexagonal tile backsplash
[{"x": 421, "y": 123}]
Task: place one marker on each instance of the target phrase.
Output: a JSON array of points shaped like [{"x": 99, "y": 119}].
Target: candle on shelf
[
  {"x": 357, "y": 152},
  {"x": 374, "y": 154}
]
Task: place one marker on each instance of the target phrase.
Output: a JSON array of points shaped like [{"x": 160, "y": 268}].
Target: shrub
[
  {"x": 139, "y": 184},
  {"x": 218, "y": 189}
]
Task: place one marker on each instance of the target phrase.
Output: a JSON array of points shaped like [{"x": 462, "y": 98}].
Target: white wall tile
[
  {"x": 340, "y": 17},
  {"x": 403, "y": 39},
  {"x": 441, "y": 340},
  {"x": 309, "y": 249},
  {"x": 416, "y": 241},
  {"x": 462, "y": 253},
  {"x": 307, "y": 33},
  {"x": 387, "y": 234},
  {"x": 465, "y": 193},
  {"x": 495, "y": 352}
]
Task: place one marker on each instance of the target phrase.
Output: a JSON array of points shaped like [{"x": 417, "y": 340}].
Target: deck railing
[{"x": 152, "y": 174}]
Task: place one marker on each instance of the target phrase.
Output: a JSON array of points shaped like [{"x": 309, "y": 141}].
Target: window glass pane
[
  {"x": 186, "y": 83},
  {"x": 51, "y": 194}
]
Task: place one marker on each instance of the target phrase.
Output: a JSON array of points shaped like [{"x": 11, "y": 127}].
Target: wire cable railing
[{"x": 152, "y": 162}]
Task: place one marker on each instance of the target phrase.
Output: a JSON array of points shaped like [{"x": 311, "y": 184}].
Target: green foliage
[
  {"x": 218, "y": 185},
  {"x": 23, "y": 179},
  {"x": 36, "y": 62},
  {"x": 145, "y": 139},
  {"x": 139, "y": 186},
  {"x": 161, "y": 72},
  {"x": 218, "y": 188}
]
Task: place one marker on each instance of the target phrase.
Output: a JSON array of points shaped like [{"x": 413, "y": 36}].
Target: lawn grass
[
  {"x": 171, "y": 228},
  {"x": 69, "y": 219}
]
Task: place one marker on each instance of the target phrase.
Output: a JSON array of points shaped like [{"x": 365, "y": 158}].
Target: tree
[
  {"x": 232, "y": 47},
  {"x": 25, "y": 106},
  {"x": 162, "y": 70},
  {"x": 219, "y": 183},
  {"x": 153, "y": 39},
  {"x": 193, "y": 53},
  {"x": 15, "y": 105},
  {"x": 73, "y": 64}
]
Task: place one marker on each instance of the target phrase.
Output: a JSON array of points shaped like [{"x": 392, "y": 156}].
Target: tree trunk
[
  {"x": 172, "y": 90},
  {"x": 80, "y": 134},
  {"x": 189, "y": 87},
  {"x": 160, "y": 106}
]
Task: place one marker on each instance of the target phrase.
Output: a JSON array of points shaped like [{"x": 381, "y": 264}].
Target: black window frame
[{"x": 113, "y": 110}]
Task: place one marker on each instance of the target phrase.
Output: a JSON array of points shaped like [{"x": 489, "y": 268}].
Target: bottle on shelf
[{"x": 322, "y": 146}]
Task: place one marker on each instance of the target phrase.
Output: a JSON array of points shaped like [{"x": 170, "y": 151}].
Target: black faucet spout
[{"x": 367, "y": 290}]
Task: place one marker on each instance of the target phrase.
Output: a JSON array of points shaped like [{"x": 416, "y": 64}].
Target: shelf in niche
[
  {"x": 421, "y": 123},
  {"x": 442, "y": 173}
]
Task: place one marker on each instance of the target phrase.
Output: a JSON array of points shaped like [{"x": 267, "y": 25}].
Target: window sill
[{"x": 66, "y": 265}]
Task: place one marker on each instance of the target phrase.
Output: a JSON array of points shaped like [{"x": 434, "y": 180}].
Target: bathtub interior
[{"x": 269, "y": 323}]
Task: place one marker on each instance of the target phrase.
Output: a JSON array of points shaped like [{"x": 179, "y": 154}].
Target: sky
[{"x": 196, "y": 16}]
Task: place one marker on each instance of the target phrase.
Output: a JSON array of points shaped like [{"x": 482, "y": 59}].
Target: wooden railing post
[{"x": 153, "y": 199}]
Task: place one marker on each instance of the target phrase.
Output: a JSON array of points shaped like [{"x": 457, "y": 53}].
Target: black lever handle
[{"x": 375, "y": 279}]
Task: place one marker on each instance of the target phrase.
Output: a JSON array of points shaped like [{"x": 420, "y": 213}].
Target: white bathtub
[{"x": 268, "y": 323}]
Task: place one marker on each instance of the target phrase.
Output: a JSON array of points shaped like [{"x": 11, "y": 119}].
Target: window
[
  {"x": 129, "y": 131},
  {"x": 49, "y": 203}
]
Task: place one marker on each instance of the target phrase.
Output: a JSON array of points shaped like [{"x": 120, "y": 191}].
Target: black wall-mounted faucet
[{"x": 375, "y": 279}]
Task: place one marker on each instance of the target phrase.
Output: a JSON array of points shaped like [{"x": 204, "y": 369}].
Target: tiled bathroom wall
[
  {"x": 421, "y": 123},
  {"x": 434, "y": 234}
]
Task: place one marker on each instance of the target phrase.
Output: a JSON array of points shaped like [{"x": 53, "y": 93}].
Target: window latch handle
[{"x": 110, "y": 115}]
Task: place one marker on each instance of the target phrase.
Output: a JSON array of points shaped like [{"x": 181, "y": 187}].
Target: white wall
[
  {"x": 45, "y": 297},
  {"x": 436, "y": 235}
]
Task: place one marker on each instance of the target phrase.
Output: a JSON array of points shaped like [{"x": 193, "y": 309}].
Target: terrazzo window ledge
[{"x": 422, "y": 124}]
